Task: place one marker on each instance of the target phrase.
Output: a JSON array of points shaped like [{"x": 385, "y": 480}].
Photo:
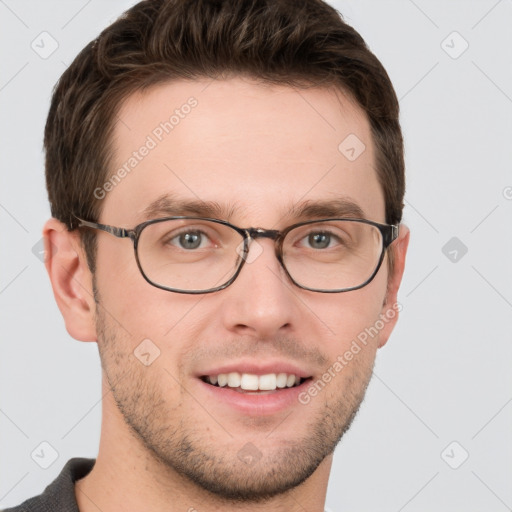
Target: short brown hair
[{"x": 289, "y": 42}]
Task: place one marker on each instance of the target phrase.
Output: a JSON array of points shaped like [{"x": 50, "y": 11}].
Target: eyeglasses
[{"x": 202, "y": 255}]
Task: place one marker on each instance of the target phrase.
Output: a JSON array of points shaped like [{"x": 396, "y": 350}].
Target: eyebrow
[
  {"x": 169, "y": 205},
  {"x": 172, "y": 206},
  {"x": 339, "y": 207}
]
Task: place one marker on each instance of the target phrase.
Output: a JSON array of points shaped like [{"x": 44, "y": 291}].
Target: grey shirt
[{"x": 59, "y": 496}]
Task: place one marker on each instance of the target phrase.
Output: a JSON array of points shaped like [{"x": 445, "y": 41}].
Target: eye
[
  {"x": 319, "y": 240},
  {"x": 329, "y": 237},
  {"x": 189, "y": 240}
]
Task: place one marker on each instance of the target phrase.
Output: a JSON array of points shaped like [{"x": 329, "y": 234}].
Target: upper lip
[{"x": 256, "y": 368}]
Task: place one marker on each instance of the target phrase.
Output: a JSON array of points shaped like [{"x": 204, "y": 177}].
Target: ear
[
  {"x": 391, "y": 307},
  {"x": 71, "y": 279}
]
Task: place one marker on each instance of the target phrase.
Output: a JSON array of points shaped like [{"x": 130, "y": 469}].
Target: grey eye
[
  {"x": 319, "y": 240},
  {"x": 190, "y": 240}
]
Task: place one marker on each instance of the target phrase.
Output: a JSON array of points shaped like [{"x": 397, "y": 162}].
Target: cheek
[
  {"x": 137, "y": 307},
  {"x": 350, "y": 345},
  {"x": 345, "y": 316}
]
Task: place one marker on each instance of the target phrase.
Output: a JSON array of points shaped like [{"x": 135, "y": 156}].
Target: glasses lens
[
  {"x": 189, "y": 254},
  {"x": 332, "y": 255}
]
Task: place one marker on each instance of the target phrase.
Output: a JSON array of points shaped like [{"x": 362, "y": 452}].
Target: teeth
[
  {"x": 234, "y": 380},
  {"x": 281, "y": 380},
  {"x": 268, "y": 382},
  {"x": 249, "y": 382},
  {"x": 252, "y": 382},
  {"x": 290, "y": 381}
]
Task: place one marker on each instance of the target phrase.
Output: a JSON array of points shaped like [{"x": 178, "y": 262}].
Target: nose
[{"x": 261, "y": 302}]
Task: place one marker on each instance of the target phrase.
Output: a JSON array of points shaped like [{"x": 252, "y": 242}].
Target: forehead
[{"x": 256, "y": 150}]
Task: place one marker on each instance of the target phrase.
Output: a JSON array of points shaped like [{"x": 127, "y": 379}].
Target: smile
[{"x": 253, "y": 382}]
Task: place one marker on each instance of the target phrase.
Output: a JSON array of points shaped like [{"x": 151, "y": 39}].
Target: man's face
[{"x": 255, "y": 151}]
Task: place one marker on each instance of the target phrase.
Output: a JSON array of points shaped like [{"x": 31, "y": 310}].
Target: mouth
[
  {"x": 252, "y": 383},
  {"x": 253, "y": 387}
]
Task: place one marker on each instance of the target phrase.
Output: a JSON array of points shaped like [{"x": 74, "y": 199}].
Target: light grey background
[{"x": 445, "y": 376}]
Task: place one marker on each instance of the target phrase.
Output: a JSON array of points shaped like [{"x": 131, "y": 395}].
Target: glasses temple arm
[{"x": 118, "y": 232}]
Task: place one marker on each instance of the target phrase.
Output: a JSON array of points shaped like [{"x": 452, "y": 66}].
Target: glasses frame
[{"x": 389, "y": 233}]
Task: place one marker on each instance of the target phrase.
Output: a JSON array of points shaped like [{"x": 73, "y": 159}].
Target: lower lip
[{"x": 255, "y": 404}]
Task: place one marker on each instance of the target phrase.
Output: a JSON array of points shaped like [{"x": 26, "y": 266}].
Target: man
[{"x": 226, "y": 182}]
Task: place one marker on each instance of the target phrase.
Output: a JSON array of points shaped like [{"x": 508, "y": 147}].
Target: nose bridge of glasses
[{"x": 254, "y": 233}]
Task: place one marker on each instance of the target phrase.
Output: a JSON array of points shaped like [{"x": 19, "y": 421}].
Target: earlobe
[
  {"x": 391, "y": 306},
  {"x": 71, "y": 279}
]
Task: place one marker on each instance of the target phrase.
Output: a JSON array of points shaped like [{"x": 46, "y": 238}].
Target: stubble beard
[{"x": 174, "y": 440}]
